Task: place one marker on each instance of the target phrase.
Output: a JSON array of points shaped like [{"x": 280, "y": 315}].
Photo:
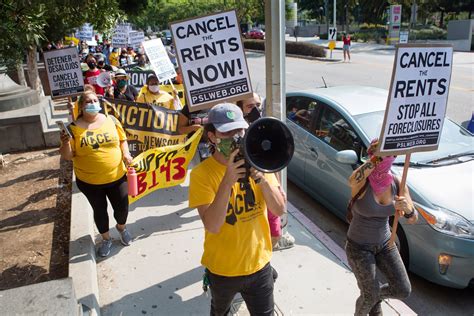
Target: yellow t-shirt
[
  {"x": 114, "y": 59},
  {"x": 163, "y": 99},
  {"x": 243, "y": 244},
  {"x": 97, "y": 154}
]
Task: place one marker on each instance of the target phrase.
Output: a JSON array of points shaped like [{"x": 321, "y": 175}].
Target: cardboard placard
[
  {"x": 85, "y": 33},
  {"x": 159, "y": 59},
  {"x": 136, "y": 38},
  {"x": 417, "y": 100},
  {"x": 64, "y": 72},
  {"x": 211, "y": 55}
]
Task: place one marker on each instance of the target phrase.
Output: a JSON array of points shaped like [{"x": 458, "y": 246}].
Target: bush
[
  {"x": 296, "y": 48},
  {"x": 431, "y": 33}
]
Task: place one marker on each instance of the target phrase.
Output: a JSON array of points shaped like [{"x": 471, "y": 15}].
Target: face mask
[
  {"x": 254, "y": 115},
  {"x": 381, "y": 178},
  {"x": 154, "y": 89},
  {"x": 91, "y": 64},
  {"x": 121, "y": 84},
  {"x": 224, "y": 146},
  {"x": 100, "y": 64},
  {"x": 92, "y": 108}
]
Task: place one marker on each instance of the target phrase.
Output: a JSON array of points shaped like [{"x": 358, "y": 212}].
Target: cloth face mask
[{"x": 381, "y": 178}]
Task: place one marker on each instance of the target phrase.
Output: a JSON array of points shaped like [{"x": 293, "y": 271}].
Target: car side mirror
[{"x": 347, "y": 157}]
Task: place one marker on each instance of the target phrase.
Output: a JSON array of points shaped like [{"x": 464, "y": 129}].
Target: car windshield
[{"x": 454, "y": 139}]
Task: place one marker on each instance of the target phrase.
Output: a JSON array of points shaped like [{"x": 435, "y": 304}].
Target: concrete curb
[
  {"x": 326, "y": 59},
  {"x": 82, "y": 260},
  {"x": 398, "y": 306}
]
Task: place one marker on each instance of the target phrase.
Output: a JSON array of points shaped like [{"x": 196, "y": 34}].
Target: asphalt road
[
  {"x": 374, "y": 68},
  {"x": 371, "y": 68}
]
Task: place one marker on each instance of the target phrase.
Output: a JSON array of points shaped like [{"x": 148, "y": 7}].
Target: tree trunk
[
  {"x": 35, "y": 82},
  {"x": 21, "y": 74},
  {"x": 441, "y": 20}
]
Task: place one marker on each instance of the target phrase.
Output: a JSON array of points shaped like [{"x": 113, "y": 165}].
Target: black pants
[
  {"x": 256, "y": 290},
  {"x": 364, "y": 260},
  {"x": 117, "y": 192}
]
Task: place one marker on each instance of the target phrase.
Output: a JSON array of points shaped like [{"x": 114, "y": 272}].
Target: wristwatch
[{"x": 410, "y": 215}]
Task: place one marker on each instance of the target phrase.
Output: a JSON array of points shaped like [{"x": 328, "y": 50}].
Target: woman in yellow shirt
[
  {"x": 114, "y": 58},
  {"x": 98, "y": 148},
  {"x": 151, "y": 94}
]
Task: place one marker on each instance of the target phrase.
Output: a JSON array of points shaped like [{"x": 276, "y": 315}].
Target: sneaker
[
  {"x": 286, "y": 241},
  {"x": 125, "y": 237},
  {"x": 105, "y": 247}
]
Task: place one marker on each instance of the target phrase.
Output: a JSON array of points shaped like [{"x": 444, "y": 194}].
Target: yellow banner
[
  {"x": 147, "y": 125},
  {"x": 164, "y": 167},
  {"x": 180, "y": 87}
]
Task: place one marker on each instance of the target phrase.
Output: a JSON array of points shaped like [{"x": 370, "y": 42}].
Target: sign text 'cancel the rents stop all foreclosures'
[
  {"x": 212, "y": 59},
  {"x": 417, "y": 100},
  {"x": 64, "y": 72}
]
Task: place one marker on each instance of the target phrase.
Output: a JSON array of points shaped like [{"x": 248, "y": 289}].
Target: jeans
[
  {"x": 256, "y": 290},
  {"x": 364, "y": 261}
]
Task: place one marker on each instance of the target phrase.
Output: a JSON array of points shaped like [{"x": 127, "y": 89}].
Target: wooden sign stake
[{"x": 401, "y": 191}]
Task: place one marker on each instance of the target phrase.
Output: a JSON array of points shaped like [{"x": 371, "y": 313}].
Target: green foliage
[
  {"x": 430, "y": 33},
  {"x": 295, "y": 48}
]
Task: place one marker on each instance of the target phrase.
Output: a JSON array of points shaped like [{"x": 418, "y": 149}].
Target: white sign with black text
[
  {"x": 159, "y": 59},
  {"x": 212, "y": 59},
  {"x": 85, "y": 33},
  {"x": 64, "y": 72},
  {"x": 417, "y": 99},
  {"x": 135, "y": 38},
  {"x": 332, "y": 35}
]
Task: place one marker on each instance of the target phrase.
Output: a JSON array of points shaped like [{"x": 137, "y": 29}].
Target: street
[{"x": 374, "y": 68}]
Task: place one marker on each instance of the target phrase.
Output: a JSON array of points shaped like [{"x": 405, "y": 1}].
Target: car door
[
  {"x": 300, "y": 111},
  {"x": 330, "y": 133}
]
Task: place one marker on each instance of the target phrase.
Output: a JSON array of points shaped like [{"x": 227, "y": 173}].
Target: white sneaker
[{"x": 286, "y": 241}]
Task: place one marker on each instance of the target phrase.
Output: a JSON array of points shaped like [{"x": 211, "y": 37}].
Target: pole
[
  {"x": 179, "y": 100},
  {"x": 334, "y": 18},
  {"x": 401, "y": 191}
]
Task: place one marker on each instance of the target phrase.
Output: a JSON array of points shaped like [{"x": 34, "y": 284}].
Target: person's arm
[
  {"x": 183, "y": 125},
  {"x": 127, "y": 157},
  {"x": 404, "y": 204},
  {"x": 65, "y": 150},
  {"x": 213, "y": 215},
  {"x": 359, "y": 176},
  {"x": 273, "y": 197}
]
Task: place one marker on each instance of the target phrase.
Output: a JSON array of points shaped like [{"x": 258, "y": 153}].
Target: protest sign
[
  {"x": 64, "y": 72},
  {"x": 85, "y": 33},
  {"x": 136, "y": 38},
  {"x": 416, "y": 105},
  {"x": 164, "y": 167},
  {"x": 147, "y": 126},
  {"x": 120, "y": 36},
  {"x": 212, "y": 59},
  {"x": 417, "y": 99},
  {"x": 138, "y": 77},
  {"x": 159, "y": 60}
]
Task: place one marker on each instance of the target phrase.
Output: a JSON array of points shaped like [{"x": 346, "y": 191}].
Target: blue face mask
[{"x": 92, "y": 108}]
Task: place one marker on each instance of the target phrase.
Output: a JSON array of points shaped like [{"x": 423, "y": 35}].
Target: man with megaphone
[{"x": 237, "y": 245}]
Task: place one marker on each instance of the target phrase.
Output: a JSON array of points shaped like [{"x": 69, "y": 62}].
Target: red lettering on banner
[
  {"x": 155, "y": 180},
  {"x": 166, "y": 168},
  {"x": 141, "y": 183},
  {"x": 181, "y": 172}
]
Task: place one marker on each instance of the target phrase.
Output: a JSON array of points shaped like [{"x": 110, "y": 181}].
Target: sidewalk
[{"x": 160, "y": 273}]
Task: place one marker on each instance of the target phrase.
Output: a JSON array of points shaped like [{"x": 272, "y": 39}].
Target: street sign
[
  {"x": 417, "y": 100},
  {"x": 332, "y": 45},
  {"x": 403, "y": 37},
  {"x": 332, "y": 34}
]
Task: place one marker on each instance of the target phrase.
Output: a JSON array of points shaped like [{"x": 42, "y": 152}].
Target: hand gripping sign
[
  {"x": 212, "y": 59},
  {"x": 416, "y": 104},
  {"x": 164, "y": 167}
]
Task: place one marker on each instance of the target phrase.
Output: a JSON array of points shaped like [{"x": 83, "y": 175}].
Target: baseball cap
[{"x": 226, "y": 117}]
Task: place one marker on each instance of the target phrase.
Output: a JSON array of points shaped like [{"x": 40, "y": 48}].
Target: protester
[
  {"x": 123, "y": 58},
  {"x": 172, "y": 54},
  {"x": 98, "y": 149},
  {"x": 150, "y": 93},
  {"x": 142, "y": 64},
  {"x": 102, "y": 65},
  {"x": 92, "y": 73},
  {"x": 375, "y": 198},
  {"x": 114, "y": 57},
  {"x": 237, "y": 245},
  {"x": 122, "y": 89},
  {"x": 131, "y": 53},
  {"x": 252, "y": 110},
  {"x": 73, "y": 107},
  {"x": 346, "y": 48},
  {"x": 106, "y": 52}
]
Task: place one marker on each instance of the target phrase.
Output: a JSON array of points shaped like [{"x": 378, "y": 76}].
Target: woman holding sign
[
  {"x": 375, "y": 199},
  {"x": 98, "y": 147}
]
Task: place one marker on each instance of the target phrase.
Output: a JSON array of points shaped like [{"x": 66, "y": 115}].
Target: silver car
[{"x": 332, "y": 128}]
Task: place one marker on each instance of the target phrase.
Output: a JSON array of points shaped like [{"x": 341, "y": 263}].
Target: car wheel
[{"x": 402, "y": 244}]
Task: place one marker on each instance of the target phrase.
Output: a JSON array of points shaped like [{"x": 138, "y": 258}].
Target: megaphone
[
  {"x": 268, "y": 145},
  {"x": 104, "y": 79}
]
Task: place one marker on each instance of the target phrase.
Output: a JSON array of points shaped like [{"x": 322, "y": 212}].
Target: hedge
[{"x": 295, "y": 48}]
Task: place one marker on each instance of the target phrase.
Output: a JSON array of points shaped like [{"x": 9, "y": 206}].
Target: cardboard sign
[
  {"x": 120, "y": 37},
  {"x": 64, "y": 72},
  {"x": 159, "y": 59},
  {"x": 212, "y": 59},
  {"x": 164, "y": 167},
  {"x": 136, "y": 38},
  {"x": 85, "y": 33},
  {"x": 417, "y": 100}
]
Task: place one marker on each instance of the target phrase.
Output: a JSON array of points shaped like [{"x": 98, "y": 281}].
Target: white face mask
[{"x": 154, "y": 89}]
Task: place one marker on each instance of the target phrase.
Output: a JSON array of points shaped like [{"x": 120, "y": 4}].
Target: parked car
[
  {"x": 333, "y": 127},
  {"x": 255, "y": 34},
  {"x": 166, "y": 37}
]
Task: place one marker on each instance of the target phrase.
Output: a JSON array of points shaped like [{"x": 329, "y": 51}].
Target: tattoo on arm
[{"x": 360, "y": 173}]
